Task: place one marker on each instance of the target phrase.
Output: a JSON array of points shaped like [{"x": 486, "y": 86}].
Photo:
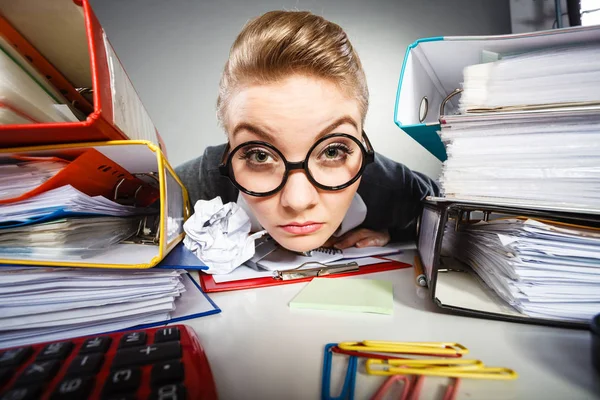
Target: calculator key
[
  {"x": 167, "y": 372},
  {"x": 5, "y": 374},
  {"x": 38, "y": 372},
  {"x": 55, "y": 351},
  {"x": 86, "y": 364},
  {"x": 30, "y": 392},
  {"x": 166, "y": 335},
  {"x": 73, "y": 388},
  {"x": 98, "y": 344},
  {"x": 132, "y": 339},
  {"x": 12, "y": 357},
  {"x": 168, "y": 392},
  {"x": 147, "y": 354},
  {"x": 125, "y": 379}
]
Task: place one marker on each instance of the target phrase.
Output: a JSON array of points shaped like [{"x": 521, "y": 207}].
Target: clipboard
[
  {"x": 209, "y": 285},
  {"x": 453, "y": 286},
  {"x": 137, "y": 158},
  {"x": 432, "y": 71},
  {"x": 65, "y": 43}
]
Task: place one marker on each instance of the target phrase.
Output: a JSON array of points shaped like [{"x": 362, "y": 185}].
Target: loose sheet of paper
[{"x": 355, "y": 295}]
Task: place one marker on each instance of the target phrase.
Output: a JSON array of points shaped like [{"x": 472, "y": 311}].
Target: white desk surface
[{"x": 259, "y": 348}]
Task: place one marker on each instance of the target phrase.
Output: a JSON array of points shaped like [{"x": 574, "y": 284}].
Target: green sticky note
[{"x": 357, "y": 295}]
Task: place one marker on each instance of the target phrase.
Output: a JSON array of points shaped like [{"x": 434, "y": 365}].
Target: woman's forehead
[{"x": 297, "y": 110}]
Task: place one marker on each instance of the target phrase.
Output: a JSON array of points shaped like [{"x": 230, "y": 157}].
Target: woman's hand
[{"x": 360, "y": 238}]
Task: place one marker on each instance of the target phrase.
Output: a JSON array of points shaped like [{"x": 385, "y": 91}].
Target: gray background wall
[{"x": 174, "y": 52}]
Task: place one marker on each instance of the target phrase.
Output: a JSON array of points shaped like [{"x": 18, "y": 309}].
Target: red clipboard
[{"x": 209, "y": 285}]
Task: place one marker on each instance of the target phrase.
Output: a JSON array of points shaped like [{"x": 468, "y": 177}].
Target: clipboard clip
[{"x": 323, "y": 270}]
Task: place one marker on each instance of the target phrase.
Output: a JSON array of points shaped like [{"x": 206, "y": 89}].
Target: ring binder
[
  {"x": 433, "y": 66},
  {"x": 449, "y": 279},
  {"x": 157, "y": 235},
  {"x": 68, "y": 46}
]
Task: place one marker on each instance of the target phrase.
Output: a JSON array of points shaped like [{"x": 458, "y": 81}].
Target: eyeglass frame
[{"x": 226, "y": 169}]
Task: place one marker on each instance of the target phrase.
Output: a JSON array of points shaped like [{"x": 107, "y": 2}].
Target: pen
[{"x": 419, "y": 275}]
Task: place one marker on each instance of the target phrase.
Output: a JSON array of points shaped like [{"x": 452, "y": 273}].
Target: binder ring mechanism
[
  {"x": 145, "y": 234},
  {"x": 447, "y": 99},
  {"x": 126, "y": 199}
]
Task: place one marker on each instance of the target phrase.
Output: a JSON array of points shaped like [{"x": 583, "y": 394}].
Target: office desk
[{"x": 259, "y": 348}]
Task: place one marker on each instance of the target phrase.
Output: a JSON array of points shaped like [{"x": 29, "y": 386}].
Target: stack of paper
[
  {"x": 63, "y": 202},
  {"x": 543, "y": 269},
  {"x": 550, "y": 160},
  {"x": 558, "y": 76},
  {"x": 16, "y": 179},
  {"x": 529, "y": 132},
  {"x": 25, "y": 95},
  {"x": 44, "y": 304},
  {"x": 67, "y": 238}
]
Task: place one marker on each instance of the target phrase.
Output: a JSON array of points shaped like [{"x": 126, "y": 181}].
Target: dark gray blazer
[{"x": 392, "y": 192}]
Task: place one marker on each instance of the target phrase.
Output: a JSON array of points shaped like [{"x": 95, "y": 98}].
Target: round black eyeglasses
[{"x": 333, "y": 163}]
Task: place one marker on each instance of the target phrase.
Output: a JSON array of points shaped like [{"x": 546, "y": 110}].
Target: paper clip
[
  {"x": 324, "y": 270},
  {"x": 479, "y": 371},
  {"x": 347, "y": 392},
  {"x": 412, "y": 391},
  {"x": 421, "y": 348},
  {"x": 387, "y": 385},
  {"x": 452, "y": 390}
]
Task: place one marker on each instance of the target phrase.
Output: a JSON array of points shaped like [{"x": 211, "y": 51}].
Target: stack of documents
[
  {"x": 556, "y": 76},
  {"x": 44, "y": 304},
  {"x": 26, "y": 96},
  {"x": 67, "y": 238},
  {"x": 17, "y": 179},
  {"x": 65, "y": 201},
  {"x": 529, "y": 132},
  {"x": 543, "y": 269}
]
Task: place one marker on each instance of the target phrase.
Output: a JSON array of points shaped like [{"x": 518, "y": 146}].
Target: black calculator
[{"x": 166, "y": 363}]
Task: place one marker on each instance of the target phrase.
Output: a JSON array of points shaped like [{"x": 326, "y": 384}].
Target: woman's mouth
[{"x": 303, "y": 228}]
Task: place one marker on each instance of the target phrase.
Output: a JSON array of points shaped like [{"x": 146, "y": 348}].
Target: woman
[{"x": 293, "y": 99}]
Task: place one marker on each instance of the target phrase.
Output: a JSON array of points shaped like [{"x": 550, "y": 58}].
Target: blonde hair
[{"x": 280, "y": 43}]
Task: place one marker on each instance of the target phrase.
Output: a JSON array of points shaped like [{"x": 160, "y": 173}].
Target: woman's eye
[
  {"x": 331, "y": 152},
  {"x": 335, "y": 152},
  {"x": 260, "y": 156}
]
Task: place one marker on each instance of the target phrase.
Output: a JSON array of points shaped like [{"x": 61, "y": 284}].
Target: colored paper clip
[
  {"x": 324, "y": 270},
  {"x": 398, "y": 367},
  {"x": 347, "y": 392},
  {"x": 412, "y": 391},
  {"x": 336, "y": 349},
  {"x": 452, "y": 390},
  {"x": 389, "y": 383},
  {"x": 422, "y": 348}
]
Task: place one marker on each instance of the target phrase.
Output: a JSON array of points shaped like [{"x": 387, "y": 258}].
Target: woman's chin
[{"x": 301, "y": 243}]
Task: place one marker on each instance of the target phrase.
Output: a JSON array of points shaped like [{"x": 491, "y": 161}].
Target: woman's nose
[{"x": 299, "y": 193}]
